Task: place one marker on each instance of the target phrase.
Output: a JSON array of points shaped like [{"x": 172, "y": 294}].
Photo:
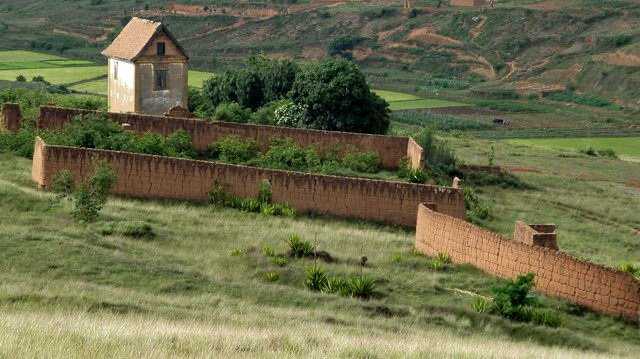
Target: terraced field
[{"x": 627, "y": 148}]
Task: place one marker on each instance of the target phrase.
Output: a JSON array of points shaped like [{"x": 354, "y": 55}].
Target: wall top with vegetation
[
  {"x": 149, "y": 176},
  {"x": 391, "y": 149}
]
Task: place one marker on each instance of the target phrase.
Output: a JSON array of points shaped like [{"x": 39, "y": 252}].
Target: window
[
  {"x": 115, "y": 70},
  {"x": 161, "y": 80},
  {"x": 160, "y": 48}
]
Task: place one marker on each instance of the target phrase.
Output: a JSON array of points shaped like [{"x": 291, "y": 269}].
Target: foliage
[
  {"x": 338, "y": 98},
  {"x": 139, "y": 230},
  {"x": 634, "y": 270},
  {"x": 438, "y": 156},
  {"x": 290, "y": 115},
  {"x": 219, "y": 197},
  {"x": 90, "y": 197},
  {"x": 590, "y": 151},
  {"x": 412, "y": 175},
  {"x": 362, "y": 287},
  {"x": 477, "y": 211},
  {"x": 366, "y": 162},
  {"x": 587, "y": 100},
  {"x": 512, "y": 299},
  {"x": 342, "y": 45},
  {"x": 268, "y": 114},
  {"x": 63, "y": 184},
  {"x": 260, "y": 82},
  {"x": 231, "y": 112},
  {"x": 285, "y": 154},
  {"x": 482, "y": 305},
  {"x": 316, "y": 278},
  {"x": 234, "y": 149},
  {"x": 299, "y": 248}
]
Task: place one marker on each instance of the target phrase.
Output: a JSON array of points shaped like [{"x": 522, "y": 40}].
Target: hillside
[{"x": 531, "y": 47}]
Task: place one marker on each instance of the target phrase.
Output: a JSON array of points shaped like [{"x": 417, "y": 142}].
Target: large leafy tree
[{"x": 338, "y": 98}]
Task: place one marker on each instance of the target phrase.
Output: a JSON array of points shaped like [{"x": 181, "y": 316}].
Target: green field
[
  {"x": 404, "y": 101},
  {"x": 627, "y": 148}
]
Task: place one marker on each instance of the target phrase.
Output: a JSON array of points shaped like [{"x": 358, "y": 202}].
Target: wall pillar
[{"x": 11, "y": 117}]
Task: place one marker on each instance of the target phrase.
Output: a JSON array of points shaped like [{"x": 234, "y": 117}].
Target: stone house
[{"x": 147, "y": 70}]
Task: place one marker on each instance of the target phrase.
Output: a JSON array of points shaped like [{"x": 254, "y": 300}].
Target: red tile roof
[{"x": 134, "y": 38}]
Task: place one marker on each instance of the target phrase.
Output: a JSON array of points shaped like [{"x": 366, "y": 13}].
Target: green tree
[{"x": 338, "y": 98}]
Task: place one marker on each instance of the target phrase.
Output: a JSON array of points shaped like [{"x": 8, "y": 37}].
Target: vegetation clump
[
  {"x": 361, "y": 287},
  {"x": 514, "y": 300},
  {"x": 219, "y": 197},
  {"x": 89, "y": 197}
]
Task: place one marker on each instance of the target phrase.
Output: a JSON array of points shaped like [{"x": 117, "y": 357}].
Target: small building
[
  {"x": 469, "y": 3},
  {"x": 148, "y": 70}
]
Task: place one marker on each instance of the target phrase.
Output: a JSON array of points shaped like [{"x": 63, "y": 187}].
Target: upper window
[
  {"x": 160, "y": 80},
  {"x": 115, "y": 70},
  {"x": 161, "y": 48}
]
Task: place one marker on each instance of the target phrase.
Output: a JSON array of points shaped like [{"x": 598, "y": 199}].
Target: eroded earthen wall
[
  {"x": 164, "y": 177},
  {"x": 557, "y": 274},
  {"x": 391, "y": 149},
  {"x": 415, "y": 154}
]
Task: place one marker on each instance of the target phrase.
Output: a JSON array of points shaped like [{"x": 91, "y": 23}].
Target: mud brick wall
[
  {"x": 11, "y": 117},
  {"x": 557, "y": 274},
  {"x": 173, "y": 178},
  {"x": 391, "y": 149}
]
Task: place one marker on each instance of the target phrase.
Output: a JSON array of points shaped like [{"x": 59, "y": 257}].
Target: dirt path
[
  {"x": 85, "y": 37},
  {"x": 513, "y": 66},
  {"x": 477, "y": 30}
]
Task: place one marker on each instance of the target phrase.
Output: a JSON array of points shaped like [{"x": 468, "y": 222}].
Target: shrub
[
  {"x": 271, "y": 276},
  {"x": 299, "y": 248},
  {"x": 90, "y": 198},
  {"x": 63, "y": 184},
  {"x": 138, "y": 230},
  {"x": 280, "y": 261},
  {"x": 231, "y": 112},
  {"x": 513, "y": 299},
  {"x": 290, "y": 115},
  {"x": 439, "y": 157},
  {"x": 337, "y": 285},
  {"x": 366, "y": 162},
  {"x": 482, "y": 305},
  {"x": 287, "y": 155},
  {"x": 21, "y": 78},
  {"x": 476, "y": 209},
  {"x": 412, "y": 175},
  {"x": 316, "y": 278},
  {"x": 264, "y": 194},
  {"x": 179, "y": 144},
  {"x": 218, "y": 196},
  {"x": 362, "y": 287},
  {"x": 233, "y": 149}
]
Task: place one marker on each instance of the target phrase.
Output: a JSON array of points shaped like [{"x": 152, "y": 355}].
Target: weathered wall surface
[
  {"x": 122, "y": 81},
  {"x": 10, "y": 117},
  {"x": 391, "y": 149},
  {"x": 475, "y": 3},
  {"x": 415, "y": 154},
  {"x": 557, "y": 274},
  {"x": 149, "y": 100},
  {"x": 164, "y": 177}
]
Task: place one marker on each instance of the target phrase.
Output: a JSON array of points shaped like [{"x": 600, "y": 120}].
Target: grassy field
[
  {"x": 627, "y": 148},
  {"x": 404, "y": 101},
  {"x": 199, "y": 288}
]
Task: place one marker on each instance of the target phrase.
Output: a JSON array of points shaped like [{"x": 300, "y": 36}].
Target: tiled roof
[{"x": 134, "y": 38}]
